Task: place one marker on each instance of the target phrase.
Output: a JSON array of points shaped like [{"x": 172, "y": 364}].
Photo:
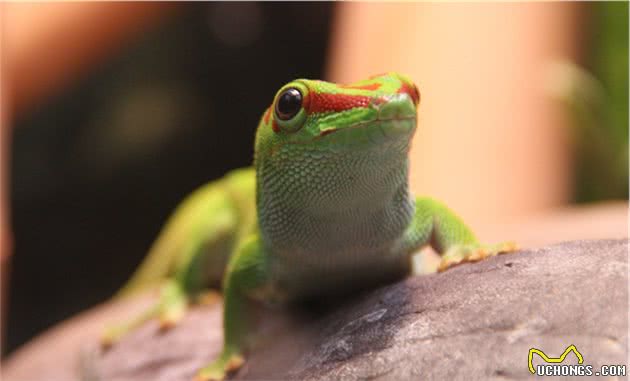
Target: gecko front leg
[
  {"x": 448, "y": 235},
  {"x": 246, "y": 272}
]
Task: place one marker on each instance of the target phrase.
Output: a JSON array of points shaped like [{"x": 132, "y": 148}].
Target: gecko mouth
[
  {"x": 387, "y": 125},
  {"x": 374, "y": 133}
]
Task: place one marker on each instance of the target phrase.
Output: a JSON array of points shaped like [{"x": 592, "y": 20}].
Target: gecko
[{"x": 325, "y": 208}]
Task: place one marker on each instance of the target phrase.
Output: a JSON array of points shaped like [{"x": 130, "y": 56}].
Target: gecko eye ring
[{"x": 289, "y": 104}]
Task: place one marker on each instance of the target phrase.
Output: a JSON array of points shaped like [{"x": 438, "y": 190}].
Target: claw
[
  {"x": 170, "y": 318},
  {"x": 106, "y": 343},
  {"x": 201, "y": 377},
  {"x": 234, "y": 363},
  {"x": 473, "y": 253},
  {"x": 207, "y": 375},
  {"x": 220, "y": 367},
  {"x": 167, "y": 325},
  {"x": 111, "y": 336}
]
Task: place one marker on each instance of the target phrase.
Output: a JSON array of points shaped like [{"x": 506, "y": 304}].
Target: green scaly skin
[{"x": 326, "y": 208}]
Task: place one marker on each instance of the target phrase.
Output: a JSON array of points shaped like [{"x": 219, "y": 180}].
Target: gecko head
[
  {"x": 324, "y": 148},
  {"x": 374, "y": 116}
]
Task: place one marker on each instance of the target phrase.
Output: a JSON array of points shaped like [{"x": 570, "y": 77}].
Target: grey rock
[{"x": 473, "y": 322}]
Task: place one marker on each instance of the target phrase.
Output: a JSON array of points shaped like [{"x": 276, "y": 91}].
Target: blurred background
[{"x": 113, "y": 112}]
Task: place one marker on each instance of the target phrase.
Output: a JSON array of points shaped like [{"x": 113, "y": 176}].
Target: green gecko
[{"x": 326, "y": 208}]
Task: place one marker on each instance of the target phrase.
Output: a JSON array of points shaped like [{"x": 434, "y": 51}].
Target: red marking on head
[
  {"x": 410, "y": 90},
  {"x": 306, "y": 101},
  {"x": 325, "y": 102},
  {"x": 267, "y": 115},
  {"x": 275, "y": 127},
  {"x": 372, "y": 86}
]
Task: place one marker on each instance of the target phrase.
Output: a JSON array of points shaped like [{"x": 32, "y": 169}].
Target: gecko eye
[{"x": 289, "y": 103}]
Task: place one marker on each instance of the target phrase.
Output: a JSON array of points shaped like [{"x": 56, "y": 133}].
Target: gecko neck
[{"x": 348, "y": 202}]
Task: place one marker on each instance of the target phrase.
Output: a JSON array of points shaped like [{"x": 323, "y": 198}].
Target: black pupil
[{"x": 289, "y": 103}]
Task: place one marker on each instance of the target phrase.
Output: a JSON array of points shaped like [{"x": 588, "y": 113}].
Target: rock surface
[{"x": 473, "y": 322}]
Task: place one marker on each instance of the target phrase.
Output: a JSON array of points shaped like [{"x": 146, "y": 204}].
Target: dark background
[{"x": 97, "y": 169}]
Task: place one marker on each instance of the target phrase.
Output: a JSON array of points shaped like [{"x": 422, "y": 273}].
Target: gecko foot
[
  {"x": 169, "y": 310},
  {"x": 226, "y": 363},
  {"x": 473, "y": 253}
]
